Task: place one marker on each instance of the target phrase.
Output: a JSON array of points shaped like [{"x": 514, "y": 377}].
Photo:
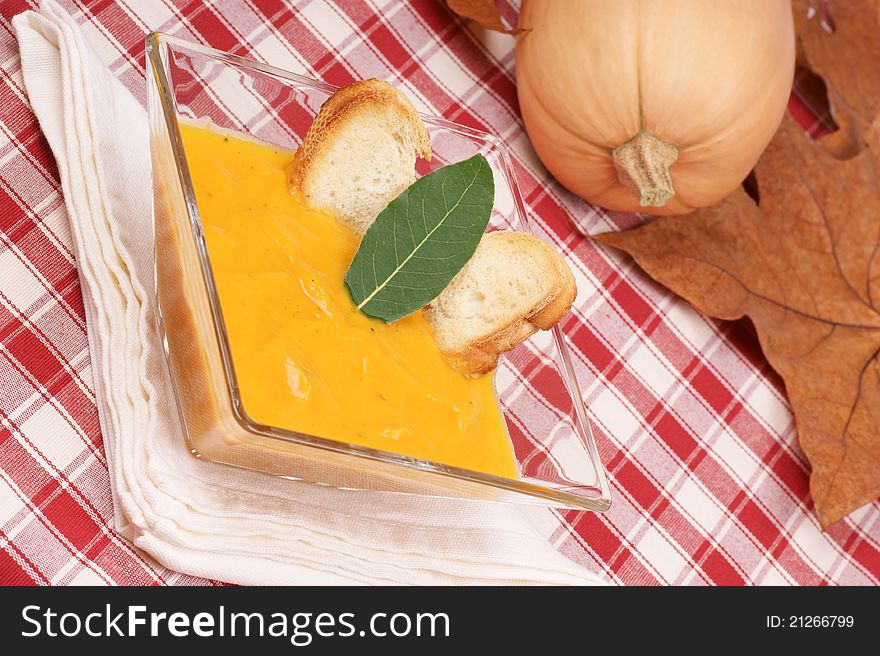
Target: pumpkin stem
[{"x": 643, "y": 165}]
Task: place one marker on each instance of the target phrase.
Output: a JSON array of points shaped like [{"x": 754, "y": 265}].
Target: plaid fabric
[{"x": 709, "y": 484}]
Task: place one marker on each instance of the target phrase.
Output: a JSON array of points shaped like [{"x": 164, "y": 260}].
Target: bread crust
[{"x": 346, "y": 103}]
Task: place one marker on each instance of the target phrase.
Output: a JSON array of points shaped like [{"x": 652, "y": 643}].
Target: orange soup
[{"x": 306, "y": 359}]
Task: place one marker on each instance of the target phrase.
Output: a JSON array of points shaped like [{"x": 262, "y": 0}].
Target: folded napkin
[{"x": 194, "y": 516}]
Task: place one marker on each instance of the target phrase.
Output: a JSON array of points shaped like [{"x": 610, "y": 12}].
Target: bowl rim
[{"x": 573, "y": 496}]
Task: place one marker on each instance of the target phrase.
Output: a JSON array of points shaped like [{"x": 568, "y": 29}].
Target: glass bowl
[{"x": 535, "y": 384}]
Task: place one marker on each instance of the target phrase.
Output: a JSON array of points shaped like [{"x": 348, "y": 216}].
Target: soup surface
[{"x": 306, "y": 359}]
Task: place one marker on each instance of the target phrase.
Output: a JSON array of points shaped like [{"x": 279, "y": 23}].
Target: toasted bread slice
[
  {"x": 358, "y": 155},
  {"x": 514, "y": 285},
  {"x": 360, "y": 152}
]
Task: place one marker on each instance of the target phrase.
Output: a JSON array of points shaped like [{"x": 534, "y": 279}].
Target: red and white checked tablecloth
[{"x": 709, "y": 484}]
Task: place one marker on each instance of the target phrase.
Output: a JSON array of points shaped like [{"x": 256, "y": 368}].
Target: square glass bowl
[{"x": 535, "y": 383}]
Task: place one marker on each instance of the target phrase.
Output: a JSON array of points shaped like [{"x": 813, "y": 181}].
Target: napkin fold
[{"x": 194, "y": 516}]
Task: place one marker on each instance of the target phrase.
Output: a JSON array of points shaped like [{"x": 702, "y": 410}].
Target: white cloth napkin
[{"x": 197, "y": 517}]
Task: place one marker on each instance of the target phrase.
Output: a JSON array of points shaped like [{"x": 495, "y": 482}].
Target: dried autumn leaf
[
  {"x": 805, "y": 267},
  {"x": 484, "y": 12},
  {"x": 841, "y": 42}
]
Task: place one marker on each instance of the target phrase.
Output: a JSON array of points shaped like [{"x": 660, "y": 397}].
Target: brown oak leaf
[
  {"x": 803, "y": 264},
  {"x": 484, "y": 12},
  {"x": 840, "y": 40}
]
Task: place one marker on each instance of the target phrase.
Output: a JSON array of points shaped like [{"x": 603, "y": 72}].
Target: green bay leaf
[{"x": 421, "y": 240}]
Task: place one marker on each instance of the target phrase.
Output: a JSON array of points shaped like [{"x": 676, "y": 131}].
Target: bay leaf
[{"x": 421, "y": 240}]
